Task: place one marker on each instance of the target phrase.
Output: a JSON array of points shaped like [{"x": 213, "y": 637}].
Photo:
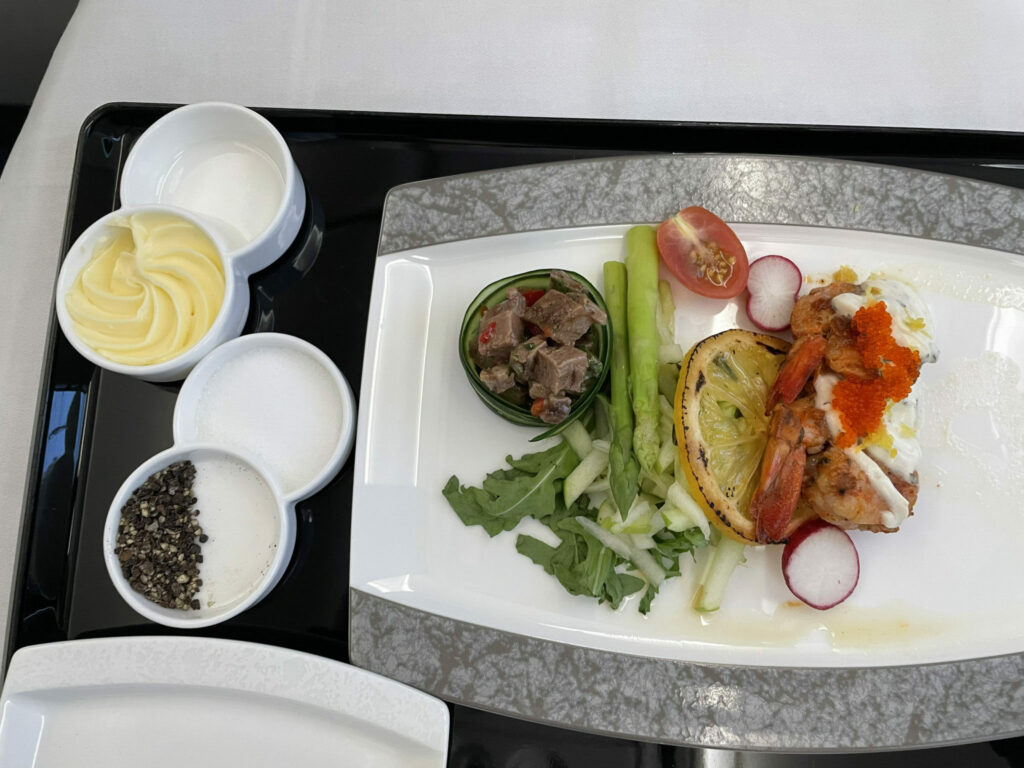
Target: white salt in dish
[
  {"x": 267, "y": 419},
  {"x": 251, "y": 530},
  {"x": 274, "y": 396},
  {"x": 239, "y": 511}
]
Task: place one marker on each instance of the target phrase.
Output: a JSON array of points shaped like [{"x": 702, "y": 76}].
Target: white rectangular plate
[
  {"x": 173, "y": 701},
  {"x": 926, "y": 594}
]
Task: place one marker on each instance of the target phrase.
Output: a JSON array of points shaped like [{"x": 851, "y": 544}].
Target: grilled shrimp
[
  {"x": 795, "y": 431},
  {"x": 801, "y": 464},
  {"x": 840, "y": 492}
]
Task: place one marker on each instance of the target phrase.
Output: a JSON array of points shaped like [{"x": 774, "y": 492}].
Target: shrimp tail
[
  {"x": 802, "y": 361},
  {"x": 782, "y": 472}
]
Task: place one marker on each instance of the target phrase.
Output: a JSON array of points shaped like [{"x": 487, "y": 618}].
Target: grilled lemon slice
[{"x": 721, "y": 427}]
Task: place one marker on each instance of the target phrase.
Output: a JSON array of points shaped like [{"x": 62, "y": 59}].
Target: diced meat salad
[{"x": 536, "y": 347}]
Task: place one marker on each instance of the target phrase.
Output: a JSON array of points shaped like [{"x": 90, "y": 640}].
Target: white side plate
[
  {"x": 944, "y": 588},
  {"x": 174, "y": 701}
]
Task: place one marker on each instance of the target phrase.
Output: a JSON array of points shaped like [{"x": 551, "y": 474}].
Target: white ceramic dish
[
  {"x": 420, "y": 424},
  {"x": 275, "y": 396},
  {"x": 163, "y": 702},
  {"x": 269, "y": 419},
  {"x": 251, "y": 531},
  {"x": 228, "y": 165},
  {"x": 228, "y": 323}
]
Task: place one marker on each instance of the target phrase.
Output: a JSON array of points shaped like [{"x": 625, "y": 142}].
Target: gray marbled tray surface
[{"x": 790, "y": 709}]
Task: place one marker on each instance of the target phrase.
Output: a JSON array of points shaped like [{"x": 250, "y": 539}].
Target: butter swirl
[{"x": 150, "y": 291}]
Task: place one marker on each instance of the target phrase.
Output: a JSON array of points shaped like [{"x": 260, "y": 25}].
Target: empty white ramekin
[{"x": 228, "y": 165}]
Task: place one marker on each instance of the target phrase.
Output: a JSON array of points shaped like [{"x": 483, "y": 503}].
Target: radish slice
[
  {"x": 772, "y": 285},
  {"x": 820, "y": 564}
]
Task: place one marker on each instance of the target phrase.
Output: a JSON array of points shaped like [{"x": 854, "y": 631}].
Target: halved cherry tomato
[{"x": 703, "y": 253}]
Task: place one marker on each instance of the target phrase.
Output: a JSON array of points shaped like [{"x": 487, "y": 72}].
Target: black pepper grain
[{"x": 156, "y": 538}]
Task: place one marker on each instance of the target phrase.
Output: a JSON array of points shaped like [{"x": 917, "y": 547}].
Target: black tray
[{"x": 94, "y": 427}]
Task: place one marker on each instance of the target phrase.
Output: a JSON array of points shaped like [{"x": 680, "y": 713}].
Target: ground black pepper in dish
[{"x": 156, "y": 538}]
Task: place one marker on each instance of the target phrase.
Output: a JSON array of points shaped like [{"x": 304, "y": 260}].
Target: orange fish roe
[{"x": 861, "y": 402}]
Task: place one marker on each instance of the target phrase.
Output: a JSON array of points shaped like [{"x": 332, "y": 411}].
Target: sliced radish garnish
[
  {"x": 820, "y": 564},
  {"x": 772, "y": 285}
]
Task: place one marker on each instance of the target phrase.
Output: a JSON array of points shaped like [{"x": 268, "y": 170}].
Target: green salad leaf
[
  {"x": 531, "y": 488},
  {"x": 648, "y": 598},
  {"x": 581, "y": 563},
  {"x": 671, "y": 545}
]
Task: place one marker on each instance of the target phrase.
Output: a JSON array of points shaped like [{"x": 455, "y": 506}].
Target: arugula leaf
[
  {"x": 621, "y": 585},
  {"x": 598, "y": 567},
  {"x": 671, "y": 545},
  {"x": 581, "y": 563},
  {"x": 533, "y": 487},
  {"x": 648, "y": 598},
  {"x": 539, "y": 551}
]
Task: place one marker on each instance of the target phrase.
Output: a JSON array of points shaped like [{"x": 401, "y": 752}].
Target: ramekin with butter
[{"x": 148, "y": 291}]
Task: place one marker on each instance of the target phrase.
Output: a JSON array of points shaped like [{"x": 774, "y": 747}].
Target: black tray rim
[{"x": 32, "y": 483}]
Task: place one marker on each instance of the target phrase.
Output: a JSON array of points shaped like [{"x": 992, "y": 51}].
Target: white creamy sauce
[
  {"x": 901, "y": 422},
  {"x": 823, "y": 387},
  {"x": 907, "y": 309},
  {"x": 847, "y": 304},
  {"x": 234, "y": 182},
  {"x": 898, "y": 507}
]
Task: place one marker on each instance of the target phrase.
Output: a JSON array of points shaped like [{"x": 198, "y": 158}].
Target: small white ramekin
[
  {"x": 148, "y": 173},
  {"x": 191, "y": 443},
  {"x": 228, "y": 323},
  {"x": 187, "y": 429},
  {"x": 271, "y": 569}
]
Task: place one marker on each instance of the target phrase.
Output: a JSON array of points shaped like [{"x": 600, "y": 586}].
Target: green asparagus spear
[
  {"x": 641, "y": 308},
  {"x": 623, "y": 470}
]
